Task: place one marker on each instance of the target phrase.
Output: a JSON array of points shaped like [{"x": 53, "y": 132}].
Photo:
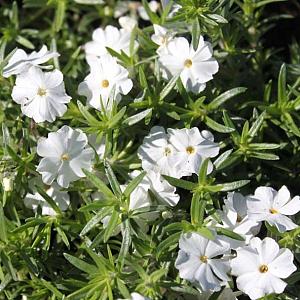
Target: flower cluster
[
  {"x": 177, "y": 153},
  {"x": 108, "y": 80},
  {"x": 148, "y": 217},
  {"x": 42, "y": 95},
  {"x": 259, "y": 265}
]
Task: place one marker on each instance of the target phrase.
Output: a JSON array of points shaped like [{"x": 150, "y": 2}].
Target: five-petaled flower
[
  {"x": 65, "y": 154},
  {"x": 41, "y": 94},
  {"x": 261, "y": 266}
]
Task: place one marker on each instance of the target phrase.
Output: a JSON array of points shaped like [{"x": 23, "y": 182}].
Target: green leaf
[
  {"x": 168, "y": 88},
  {"x": 256, "y": 125},
  {"x": 31, "y": 223},
  {"x": 116, "y": 118},
  {"x": 99, "y": 184},
  {"x": 3, "y": 234},
  {"x": 195, "y": 208},
  {"x": 203, "y": 171},
  {"x": 158, "y": 274},
  {"x": 218, "y": 101},
  {"x": 170, "y": 242},
  {"x": 95, "y": 220},
  {"x": 290, "y": 124},
  {"x": 112, "y": 179},
  {"x": 126, "y": 241},
  {"x": 52, "y": 288},
  {"x": 222, "y": 158},
  {"x": 123, "y": 289},
  {"x": 217, "y": 18},
  {"x": 282, "y": 95},
  {"x": 152, "y": 16},
  {"x": 205, "y": 232},
  {"x": 59, "y": 14},
  {"x": 80, "y": 264},
  {"x": 196, "y": 33},
  {"x": 217, "y": 126},
  {"x": 265, "y": 156},
  {"x": 184, "y": 184},
  {"x": 133, "y": 184},
  {"x": 63, "y": 236},
  {"x": 233, "y": 185},
  {"x": 98, "y": 204},
  {"x": 89, "y": 117},
  {"x": 49, "y": 200},
  {"x": 263, "y": 146},
  {"x": 230, "y": 233},
  {"x": 137, "y": 117},
  {"x": 111, "y": 226}
]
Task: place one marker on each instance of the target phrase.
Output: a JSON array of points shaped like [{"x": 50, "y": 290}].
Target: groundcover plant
[{"x": 149, "y": 149}]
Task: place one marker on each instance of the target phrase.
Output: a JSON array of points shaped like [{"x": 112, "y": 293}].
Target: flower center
[
  {"x": 203, "y": 258},
  {"x": 188, "y": 63},
  {"x": 105, "y": 83},
  {"x": 163, "y": 40},
  {"x": 238, "y": 218},
  {"x": 273, "y": 211},
  {"x": 190, "y": 150},
  {"x": 65, "y": 157},
  {"x": 41, "y": 92},
  {"x": 263, "y": 269},
  {"x": 167, "y": 151}
]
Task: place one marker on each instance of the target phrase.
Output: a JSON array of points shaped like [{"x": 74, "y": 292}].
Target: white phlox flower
[
  {"x": 269, "y": 205},
  {"x": 42, "y": 95},
  {"x": 35, "y": 200},
  {"x": 110, "y": 36},
  {"x": 106, "y": 83},
  {"x": 157, "y": 154},
  {"x": 21, "y": 61},
  {"x": 163, "y": 191},
  {"x": 261, "y": 266},
  {"x": 65, "y": 155},
  {"x": 195, "y": 67},
  {"x": 192, "y": 147},
  {"x": 198, "y": 261},
  {"x": 162, "y": 37},
  {"x": 234, "y": 217}
]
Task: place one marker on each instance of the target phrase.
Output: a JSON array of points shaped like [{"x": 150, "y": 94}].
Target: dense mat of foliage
[{"x": 140, "y": 163}]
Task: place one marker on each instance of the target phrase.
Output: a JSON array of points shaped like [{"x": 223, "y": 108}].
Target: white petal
[
  {"x": 245, "y": 254},
  {"x": 282, "y": 266},
  {"x": 292, "y": 207}
]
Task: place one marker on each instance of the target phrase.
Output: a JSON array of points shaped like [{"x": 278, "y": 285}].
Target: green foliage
[{"x": 252, "y": 107}]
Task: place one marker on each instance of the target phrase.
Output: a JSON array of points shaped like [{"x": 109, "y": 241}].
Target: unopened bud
[{"x": 167, "y": 215}]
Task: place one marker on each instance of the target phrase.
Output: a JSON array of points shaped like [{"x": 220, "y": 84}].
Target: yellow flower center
[
  {"x": 163, "y": 40},
  {"x": 41, "y": 92},
  {"x": 273, "y": 211},
  {"x": 263, "y": 269},
  {"x": 188, "y": 63},
  {"x": 204, "y": 258},
  {"x": 65, "y": 156},
  {"x": 105, "y": 83},
  {"x": 190, "y": 150},
  {"x": 167, "y": 151},
  {"x": 238, "y": 218}
]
